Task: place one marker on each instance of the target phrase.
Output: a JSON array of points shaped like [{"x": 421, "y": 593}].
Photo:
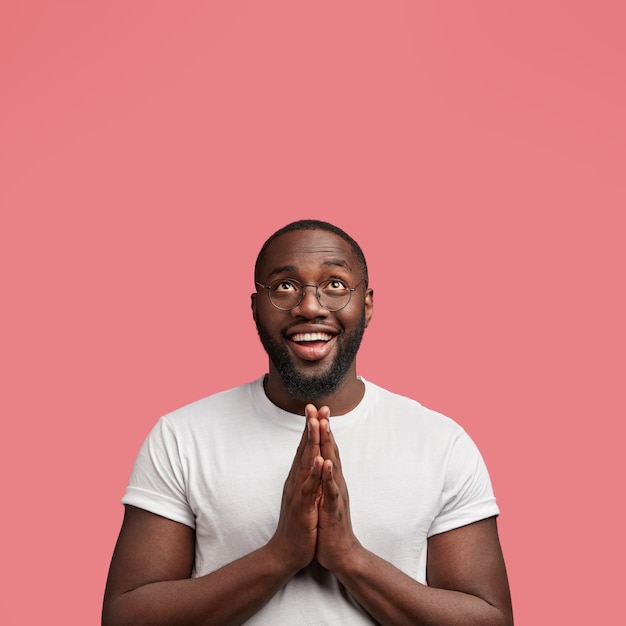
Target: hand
[
  {"x": 296, "y": 534},
  {"x": 335, "y": 539}
]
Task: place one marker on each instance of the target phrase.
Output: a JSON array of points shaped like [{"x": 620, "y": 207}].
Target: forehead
[{"x": 303, "y": 250}]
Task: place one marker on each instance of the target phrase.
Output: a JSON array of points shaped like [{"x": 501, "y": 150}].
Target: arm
[
  {"x": 467, "y": 582},
  {"x": 149, "y": 579}
]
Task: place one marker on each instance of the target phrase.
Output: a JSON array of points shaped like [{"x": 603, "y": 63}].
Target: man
[{"x": 224, "y": 524}]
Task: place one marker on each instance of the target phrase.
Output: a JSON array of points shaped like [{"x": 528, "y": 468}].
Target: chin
[{"x": 310, "y": 387}]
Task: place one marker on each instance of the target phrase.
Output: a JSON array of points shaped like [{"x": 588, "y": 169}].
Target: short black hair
[{"x": 314, "y": 225}]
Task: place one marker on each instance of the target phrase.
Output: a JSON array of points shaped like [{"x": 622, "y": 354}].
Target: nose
[{"x": 309, "y": 306}]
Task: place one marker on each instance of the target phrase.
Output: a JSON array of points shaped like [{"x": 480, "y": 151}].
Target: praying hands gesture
[{"x": 315, "y": 513}]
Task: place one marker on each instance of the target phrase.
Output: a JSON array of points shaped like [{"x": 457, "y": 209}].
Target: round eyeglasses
[{"x": 287, "y": 293}]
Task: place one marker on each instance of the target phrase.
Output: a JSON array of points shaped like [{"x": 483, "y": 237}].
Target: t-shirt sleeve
[
  {"x": 157, "y": 481},
  {"x": 467, "y": 495}
]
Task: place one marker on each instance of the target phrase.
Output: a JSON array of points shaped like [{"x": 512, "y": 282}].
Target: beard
[{"x": 313, "y": 387}]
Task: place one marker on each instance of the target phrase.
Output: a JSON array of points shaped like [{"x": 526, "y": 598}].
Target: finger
[
  {"x": 328, "y": 445},
  {"x": 310, "y": 436},
  {"x": 323, "y": 416},
  {"x": 312, "y": 485},
  {"x": 308, "y": 447},
  {"x": 329, "y": 486},
  {"x": 311, "y": 448},
  {"x": 310, "y": 410},
  {"x": 328, "y": 449},
  {"x": 312, "y": 426},
  {"x": 323, "y": 413}
]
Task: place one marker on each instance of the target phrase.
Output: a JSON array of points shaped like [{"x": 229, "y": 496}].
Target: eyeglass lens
[{"x": 331, "y": 294}]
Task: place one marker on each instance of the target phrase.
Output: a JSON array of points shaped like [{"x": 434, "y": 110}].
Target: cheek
[
  {"x": 349, "y": 324},
  {"x": 268, "y": 317},
  {"x": 354, "y": 316}
]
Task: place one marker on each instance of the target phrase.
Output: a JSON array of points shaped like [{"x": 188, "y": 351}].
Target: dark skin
[{"x": 149, "y": 580}]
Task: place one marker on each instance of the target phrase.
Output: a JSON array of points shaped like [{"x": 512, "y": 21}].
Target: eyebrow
[
  {"x": 336, "y": 263},
  {"x": 292, "y": 268},
  {"x": 282, "y": 270}
]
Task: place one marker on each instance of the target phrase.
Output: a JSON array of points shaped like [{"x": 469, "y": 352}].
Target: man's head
[{"x": 311, "y": 348}]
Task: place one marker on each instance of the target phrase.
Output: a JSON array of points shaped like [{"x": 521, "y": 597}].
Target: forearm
[
  {"x": 227, "y": 596},
  {"x": 394, "y": 598}
]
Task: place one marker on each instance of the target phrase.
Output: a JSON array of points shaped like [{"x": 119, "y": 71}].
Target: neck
[{"x": 343, "y": 400}]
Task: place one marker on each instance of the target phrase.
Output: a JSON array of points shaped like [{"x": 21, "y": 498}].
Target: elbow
[{"x": 113, "y": 615}]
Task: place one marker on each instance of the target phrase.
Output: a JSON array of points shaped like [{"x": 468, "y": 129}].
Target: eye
[
  {"x": 284, "y": 286},
  {"x": 335, "y": 286}
]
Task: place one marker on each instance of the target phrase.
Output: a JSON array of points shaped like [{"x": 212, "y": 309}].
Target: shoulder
[
  {"x": 221, "y": 404},
  {"x": 219, "y": 413},
  {"x": 409, "y": 412}
]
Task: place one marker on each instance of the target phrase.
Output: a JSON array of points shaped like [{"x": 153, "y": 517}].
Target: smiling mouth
[{"x": 307, "y": 337}]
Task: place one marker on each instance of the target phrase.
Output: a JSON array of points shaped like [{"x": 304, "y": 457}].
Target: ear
[
  {"x": 369, "y": 305},
  {"x": 253, "y": 305}
]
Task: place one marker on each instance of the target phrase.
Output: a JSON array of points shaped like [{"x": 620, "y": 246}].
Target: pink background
[{"x": 475, "y": 149}]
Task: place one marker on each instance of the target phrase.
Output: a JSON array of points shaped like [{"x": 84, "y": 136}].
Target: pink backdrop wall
[{"x": 475, "y": 149}]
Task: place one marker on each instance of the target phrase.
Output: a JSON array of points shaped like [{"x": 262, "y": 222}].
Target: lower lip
[{"x": 313, "y": 350}]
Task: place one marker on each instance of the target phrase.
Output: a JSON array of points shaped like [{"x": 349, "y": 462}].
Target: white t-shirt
[{"x": 219, "y": 466}]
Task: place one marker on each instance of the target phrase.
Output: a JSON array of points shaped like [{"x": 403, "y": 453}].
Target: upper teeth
[{"x": 311, "y": 337}]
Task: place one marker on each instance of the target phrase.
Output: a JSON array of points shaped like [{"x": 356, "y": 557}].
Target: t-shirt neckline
[{"x": 293, "y": 421}]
